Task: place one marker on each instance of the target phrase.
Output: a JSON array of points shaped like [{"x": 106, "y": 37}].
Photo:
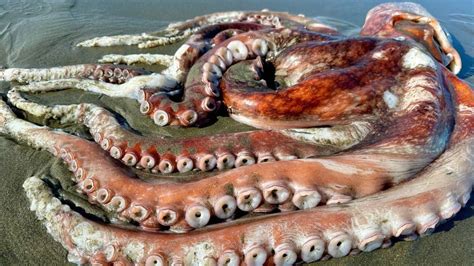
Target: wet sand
[{"x": 39, "y": 34}]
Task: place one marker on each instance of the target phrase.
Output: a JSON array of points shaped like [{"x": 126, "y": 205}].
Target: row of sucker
[
  {"x": 266, "y": 196},
  {"x": 160, "y": 155},
  {"x": 314, "y": 244},
  {"x": 116, "y": 74},
  {"x": 264, "y": 19},
  {"x": 148, "y": 158},
  {"x": 324, "y": 244},
  {"x": 203, "y": 98}
]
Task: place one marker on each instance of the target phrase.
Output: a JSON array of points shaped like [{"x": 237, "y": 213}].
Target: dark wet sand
[{"x": 36, "y": 34}]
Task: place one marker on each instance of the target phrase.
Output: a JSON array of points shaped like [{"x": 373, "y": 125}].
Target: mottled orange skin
[{"x": 345, "y": 83}]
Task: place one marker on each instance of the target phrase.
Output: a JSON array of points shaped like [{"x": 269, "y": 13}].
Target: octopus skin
[
  {"x": 359, "y": 140},
  {"x": 274, "y": 183},
  {"x": 139, "y": 205},
  {"x": 418, "y": 205}
]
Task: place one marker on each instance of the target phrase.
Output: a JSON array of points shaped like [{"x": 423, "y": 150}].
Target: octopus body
[{"x": 354, "y": 141}]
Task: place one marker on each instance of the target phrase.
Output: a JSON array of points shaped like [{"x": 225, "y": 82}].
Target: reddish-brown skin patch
[{"x": 345, "y": 83}]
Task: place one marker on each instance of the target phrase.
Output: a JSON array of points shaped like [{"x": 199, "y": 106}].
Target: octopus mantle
[{"x": 357, "y": 140}]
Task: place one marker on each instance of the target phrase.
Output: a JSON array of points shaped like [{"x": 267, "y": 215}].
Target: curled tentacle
[{"x": 201, "y": 95}]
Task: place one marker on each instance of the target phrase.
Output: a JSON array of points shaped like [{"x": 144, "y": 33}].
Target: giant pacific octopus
[{"x": 358, "y": 140}]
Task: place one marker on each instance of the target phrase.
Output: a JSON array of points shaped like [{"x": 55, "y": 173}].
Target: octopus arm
[
  {"x": 180, "y": 30},
  {"x": 416, "y": 206}
]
